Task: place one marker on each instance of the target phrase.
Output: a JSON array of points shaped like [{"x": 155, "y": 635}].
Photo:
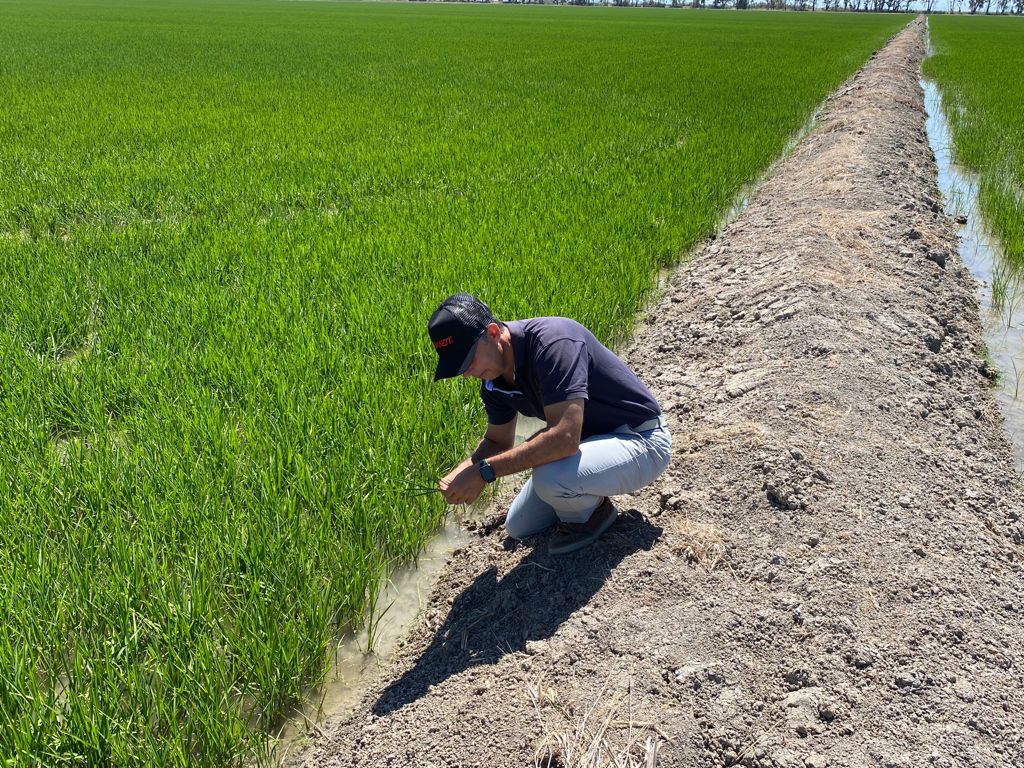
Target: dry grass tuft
[
  {"x": 700, "y": 544},
  {"x": 744, "y": 436},
  {"x": 587, "y": 741}
]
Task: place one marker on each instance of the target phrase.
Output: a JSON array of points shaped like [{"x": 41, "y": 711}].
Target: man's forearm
[
  {"x": 546, "y": 446},
  {"x": 484, "y": 450}
]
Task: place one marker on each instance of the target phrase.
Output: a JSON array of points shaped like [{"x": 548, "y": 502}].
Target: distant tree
[{"x": 1018, "y": 7}]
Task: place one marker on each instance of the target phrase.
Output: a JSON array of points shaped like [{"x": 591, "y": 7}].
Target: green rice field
[
  {"x": 223, "y": 226},
  {"x": 979, "y": 65}
]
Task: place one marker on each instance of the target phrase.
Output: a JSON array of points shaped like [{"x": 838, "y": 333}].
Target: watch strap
[{"x": 486, "y": 471}]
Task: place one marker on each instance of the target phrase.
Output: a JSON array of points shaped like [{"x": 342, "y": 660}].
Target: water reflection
[{"x": 1001, "y": 291}]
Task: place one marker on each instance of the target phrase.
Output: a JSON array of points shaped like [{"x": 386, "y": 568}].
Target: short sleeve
[
  {"x": 499, "y": 410},
  {"x": 563, "y": 371}
]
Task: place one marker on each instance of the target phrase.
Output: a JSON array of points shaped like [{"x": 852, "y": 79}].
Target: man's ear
[{"x": 493, "y": 330}]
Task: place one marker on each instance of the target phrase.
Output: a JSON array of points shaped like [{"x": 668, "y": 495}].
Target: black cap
[{"x": 454, "y": 329}]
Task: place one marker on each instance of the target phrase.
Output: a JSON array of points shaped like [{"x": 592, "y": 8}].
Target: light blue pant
[{"x": 570, "y": 489}]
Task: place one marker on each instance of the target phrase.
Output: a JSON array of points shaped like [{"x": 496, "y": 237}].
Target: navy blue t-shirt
[{"x": 558, "y": 359}]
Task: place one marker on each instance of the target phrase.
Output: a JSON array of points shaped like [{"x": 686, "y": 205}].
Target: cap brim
[{"x": 448, "y": 368}]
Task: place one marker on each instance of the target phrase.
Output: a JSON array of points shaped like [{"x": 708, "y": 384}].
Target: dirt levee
[{"x": 830, "y": 571}]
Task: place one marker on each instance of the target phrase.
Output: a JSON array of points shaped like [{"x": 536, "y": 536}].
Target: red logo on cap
[{"x": 443, "y": 342}]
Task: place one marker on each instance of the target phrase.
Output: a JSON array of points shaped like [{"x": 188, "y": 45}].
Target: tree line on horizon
[{"x": 970, "y": 7}]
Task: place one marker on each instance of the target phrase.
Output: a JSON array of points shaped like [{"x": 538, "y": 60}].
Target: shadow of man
[{"x": 491, "y": 618}]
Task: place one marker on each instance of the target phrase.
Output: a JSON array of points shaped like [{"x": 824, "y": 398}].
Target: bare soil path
[{"x": 829, "y": 574}]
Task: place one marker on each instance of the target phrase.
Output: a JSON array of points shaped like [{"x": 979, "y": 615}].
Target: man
[{"x": 605, "y": 434}]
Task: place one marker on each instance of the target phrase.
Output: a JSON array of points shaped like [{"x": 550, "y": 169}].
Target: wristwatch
[{"x": 486, "y": 471}]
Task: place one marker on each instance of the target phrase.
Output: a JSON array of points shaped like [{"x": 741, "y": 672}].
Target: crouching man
[{"x": 605, "y": 435}]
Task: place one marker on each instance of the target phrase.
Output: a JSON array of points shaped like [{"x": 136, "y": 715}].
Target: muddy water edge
[
  {"x": 1000, "y": 285},
  {"x": 358, "y": 659}
]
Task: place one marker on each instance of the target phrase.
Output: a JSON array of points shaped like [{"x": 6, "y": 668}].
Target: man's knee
[
  {"x": 528, "y": 514},
  {"x": 549, "y": 482},
  {"x": 524, "y": 525},
  {"x": 515, "y": 527}
]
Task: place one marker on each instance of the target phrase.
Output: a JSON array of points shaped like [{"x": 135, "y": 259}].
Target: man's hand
[
  {"x": 450, "y": 477},
  {"x": 464, "y": 487},
  {"x": 463, "y": 484}
]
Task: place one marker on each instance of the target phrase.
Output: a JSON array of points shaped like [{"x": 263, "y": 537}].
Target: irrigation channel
[
  {"x": 1001, "y": 293},
  {"x": 830, "y": 573}
]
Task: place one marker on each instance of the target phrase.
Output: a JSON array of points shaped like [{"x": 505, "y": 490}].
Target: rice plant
[{"x": 978, "y": 63}]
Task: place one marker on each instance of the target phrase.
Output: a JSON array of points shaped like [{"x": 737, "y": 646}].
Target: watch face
[{"x": 486, "y": 471}]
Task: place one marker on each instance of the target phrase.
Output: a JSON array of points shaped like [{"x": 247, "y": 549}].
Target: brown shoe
[{"x": 568, "y": 537}]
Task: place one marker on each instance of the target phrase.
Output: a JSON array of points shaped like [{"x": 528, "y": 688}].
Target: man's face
[{"x": 486, "y": 361}]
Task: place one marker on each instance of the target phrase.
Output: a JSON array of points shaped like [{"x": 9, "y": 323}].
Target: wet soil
[{"x": 829, "y": 573}]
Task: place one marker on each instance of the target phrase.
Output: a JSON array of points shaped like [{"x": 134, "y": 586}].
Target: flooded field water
[
  {"x": 1001, "y": 294},
  {"x": 354, "y": 666}
]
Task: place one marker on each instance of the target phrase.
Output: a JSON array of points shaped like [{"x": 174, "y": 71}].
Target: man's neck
[{"x": 508, "y": 355}]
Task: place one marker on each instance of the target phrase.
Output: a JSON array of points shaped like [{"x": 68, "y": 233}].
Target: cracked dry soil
[{"x": 829, "y": 573}]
